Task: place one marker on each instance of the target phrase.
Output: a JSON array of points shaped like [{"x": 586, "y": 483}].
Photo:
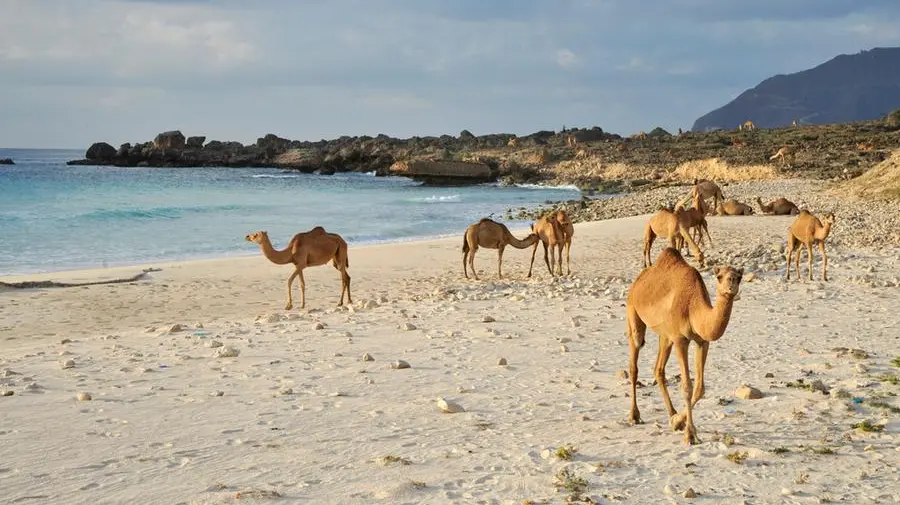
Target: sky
[{"x": 76, "y": 72}]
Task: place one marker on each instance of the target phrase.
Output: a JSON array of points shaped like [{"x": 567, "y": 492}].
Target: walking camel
[
  {"x": 779, "y": 207},
  {"x": 784, "y": 153},
  {"x": 673, "y": 225},
  {"x": 308, "y": 249},
  {"x": 671, "y": 298},
  {"x": 694, "y": 221},
  {"x": 490, "y": 234},
  {"x": 808, "y": 230},
  {"x": 706, "y": 189}
]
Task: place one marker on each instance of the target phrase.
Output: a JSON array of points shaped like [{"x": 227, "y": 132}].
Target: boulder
[
  {"x": 124, "y": 149},
  {"x": 195, "y": 142},
  {"x": 6, "y": 161},
  {"x": 169, "y": 140},
  {"x": 273, "y": 143},
  {"x": 100, "y": 151},
  {"x": 443, "y": 171},
  {"x": 466, "y": 135}
]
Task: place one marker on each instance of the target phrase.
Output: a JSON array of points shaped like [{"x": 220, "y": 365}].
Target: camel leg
[
  {"x": 345, "y": 286},
  {"x": 559, "y": 255},
  {"x": 533, "y": 252},
  {"x": 465, "y": 257},
  {"x": 290, "y": 281},
  {"x": 500, "y": 262},
  {"x": 824, "y": 261},
  {"x": 302, "y": 288},
  {"x": 546, "y": 258},
  {"x": 797, "y": 252},
  {"x": 636, "y": 332},
  {"x": 662, "y": 357},
  {"x": 788, "y": 254},
  {"x": 681, "y": 352},
  {"x": 568, "y": 263},
  {"x": 809, "y": 260},
  {"x": 649, "y": 237},
  {"x": 699, "y": 365},
  {"x": 705, "y": 228},
  {"x": 472, "y": 262}
]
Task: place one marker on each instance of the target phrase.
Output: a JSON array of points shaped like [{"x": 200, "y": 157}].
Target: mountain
[{"x": 849, "y": 87}]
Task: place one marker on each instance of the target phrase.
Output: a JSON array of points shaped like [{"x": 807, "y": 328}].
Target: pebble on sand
[
  {"x": 399, "y": 364},
  {"x": 7, "y": 393},
  {"x": 318, "y": 326},
  {"x": 449, "y": 407},
  {"x": 487, "y": 319},
  {"x": 407, "y": 326},
  {"x": 84, "y": 397},
  {"x": 748, "y": 393},
  {"x": 69, "y": 363},
  {"x": 367, "y": 357},
  {"x": 227, "y": 352},
  {"x": 501, "y": 361}
]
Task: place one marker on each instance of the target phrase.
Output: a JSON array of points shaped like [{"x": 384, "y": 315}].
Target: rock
[
  {"x": 818, "y": 385},
  {"x": 65, "y": 365},
  {"x": 284, "y": 390},
  {"x": 100, "y": 151},
  {"x": 407, "y": 326},
  {"x": 84, "y": 397},
  {"x": 501, "y": 361},
  {"x": 172, "y": 139},
  {"x": 367, "y": 357},
  {"x": 746, "y": 392},
  {"x": 176, "y": 328},
  {"x": 217, "y": 393},
  {"x": 487, "y": 319},
  {"x": 749, "y": 277},
  {"x": 689, "y": 493},
  {"x": 6, "y": 161},
  {"x": 622, "y": 374},
  {"x": 195, "y": 142},
  {"x": 65, "y": 341},
  {"x": 399, "y": 364},
  {"x": 769, "y": 375},
  {"x": 213, "y": 344},
  {"x": 449, "y": 407},
  {"x": 227, "y": 352},
  {"x": 318, "y": 326},
  {"x": 7, "y": 393}
]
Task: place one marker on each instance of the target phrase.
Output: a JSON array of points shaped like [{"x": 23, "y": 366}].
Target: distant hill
[{"x": 852, "y": 87}]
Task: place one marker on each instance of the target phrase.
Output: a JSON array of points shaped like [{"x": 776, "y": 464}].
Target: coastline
[{"x": 203, "y": 387}]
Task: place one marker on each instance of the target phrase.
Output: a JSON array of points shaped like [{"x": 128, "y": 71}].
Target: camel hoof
[
  {"x": 288, "y": 307},
  {"x": 677, "y": 421},
  {"x": 635, "y": 418}
]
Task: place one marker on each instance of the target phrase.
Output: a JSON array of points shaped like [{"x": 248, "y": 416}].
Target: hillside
[{"x": 846, "y": 88}]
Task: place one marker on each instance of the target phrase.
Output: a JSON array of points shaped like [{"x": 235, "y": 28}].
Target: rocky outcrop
[
  {"x": 444, "y": 172},
  {"x": 169, "y": 140},
  {"x": 195, "y": 142},
  {"x": 6, "y": 161},
  {"x": 100, "y": 151}
]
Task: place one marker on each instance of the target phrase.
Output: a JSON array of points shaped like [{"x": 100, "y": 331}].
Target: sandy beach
[{"x": 204, "y": 390}]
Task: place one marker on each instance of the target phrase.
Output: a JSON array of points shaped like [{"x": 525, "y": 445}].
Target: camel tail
[{"x": 465, "y": 244}]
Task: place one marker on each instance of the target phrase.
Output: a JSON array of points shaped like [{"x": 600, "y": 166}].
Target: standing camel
[
  {"x": 552, "y": 236},
  {"x": 491, "y": 235},
  {"x": 671, "y": 298},
  {"x": 785, "y": 153},
  {"x": 565, "y": 224},
  {"x": 674, "y": 226},
  {"x": 705, "y": 189},
  {"x": 808, "y": 230},
  {"x": 308, "y": 249}
]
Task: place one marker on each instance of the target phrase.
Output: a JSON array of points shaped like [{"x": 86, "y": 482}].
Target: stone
[
  {"x": 449, "y": 407},
  {"x": 84, "y": 397},
  {"x": 318, "y": 326},
  {"x": 69, "y": 363},
  {"x": 399, "y": 364},
  {"x": 367, "y": 357},
  {"x": 407, "y": 326},
  {"x": 689, "y": 493},
  {"x": 746, "y": 392},
  {"x": 227, "y": 352},
  {"x": 487, "y": 319},
  {"x": 501, "y": 361}
]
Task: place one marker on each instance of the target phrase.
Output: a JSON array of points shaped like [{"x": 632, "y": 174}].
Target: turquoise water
[{"x": 55, "y": 217}]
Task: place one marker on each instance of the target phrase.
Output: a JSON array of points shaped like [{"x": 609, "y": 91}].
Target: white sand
[{"x": 299, "y": 413}]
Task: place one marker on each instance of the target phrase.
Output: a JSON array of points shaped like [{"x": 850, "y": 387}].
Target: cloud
[{"x": 122, "y": 70}]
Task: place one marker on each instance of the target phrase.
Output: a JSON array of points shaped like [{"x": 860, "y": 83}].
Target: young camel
[
  {"x": 779, "y": 207},
  {"x": 309, "y": 249},
  {"x": 673, "y": 225},
  {"x": 808, "y": 230},
  {"x": 491, "y": 235},
  {"x": 732, "y": 207},
  {"x": 552, "y": 236},
  {"x": 695, "y": 220},
  {"x": 671, "y": 298}
]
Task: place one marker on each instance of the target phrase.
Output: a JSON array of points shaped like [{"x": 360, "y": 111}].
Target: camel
[
  {"x": 747, "y": 125},
  {"x": 565, "y": 225},
  {"x": 779, "y": 207},
  {"x": 671, "y": 298},
  {"x": 571, "y": 141},
  {"x": 490, "y": 234},
  {"x": 706, "y": 189},
  {"x": 513, "y": 142},
  {"x": 784, "y": 153},
  {"x": 808, "y": 230},
  {"x": 552, "y": 236},
  {"x": 794, "y": 123},
  {"x": 673, "y": 225},
  {"x": 309, "y": 249},
  {"x": 694, "y": 220},
  {"x": 732, "y": 207},
  {"x": 640, "y": 136}
]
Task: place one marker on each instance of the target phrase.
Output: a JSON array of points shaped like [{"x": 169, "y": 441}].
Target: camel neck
[
  {"x": 281, "y": 257},
  {"x": 709, "y": 321},
  {"x": 823, "y": 231}
]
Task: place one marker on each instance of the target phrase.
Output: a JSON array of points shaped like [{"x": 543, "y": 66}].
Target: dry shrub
[
  {"x": 880, "y": 181},
  {"x": 719, "y": 170}
]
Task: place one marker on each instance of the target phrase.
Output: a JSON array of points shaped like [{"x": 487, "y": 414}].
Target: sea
[{"x": 55, "y": 217}]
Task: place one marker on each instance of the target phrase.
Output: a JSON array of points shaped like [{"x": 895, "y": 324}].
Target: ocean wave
[
  {"x": 275, "y": 176},
  {"x": 564, "y": 187},
  {"x": 168, "y": 212},
  {"x": 437, "y": 199}
]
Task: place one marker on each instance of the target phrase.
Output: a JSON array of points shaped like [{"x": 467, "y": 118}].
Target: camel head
[
  {"x": 728, "y": 280},
  {"x": 828, "y": 219},
  {"x": 562, "y": 218},
  {"x": 257, "y": 237}
]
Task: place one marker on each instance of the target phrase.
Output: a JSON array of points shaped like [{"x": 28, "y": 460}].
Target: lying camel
[
  {"x": 491, "y": 235},
  {"x": 552, "y": 236},
  {"x": 732, "y": 207},
  {"x": 784, "y": 153},
  {"x": 779, "y": 207},
  {"x": 706, "y": 189},
  {"x": 673, "y": 225},
  {"x": 808, "y": 230},
  {"x": 671, "y": 298},
  {"x": 309, "y": 249}
]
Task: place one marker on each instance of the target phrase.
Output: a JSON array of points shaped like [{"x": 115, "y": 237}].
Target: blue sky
[{"x": 123, "y": 70}]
